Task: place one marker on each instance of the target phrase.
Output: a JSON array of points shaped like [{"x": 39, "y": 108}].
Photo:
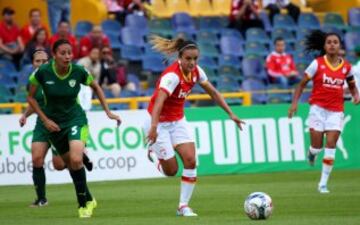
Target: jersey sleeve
[
  {"x": 202, "y": 75},
  {"x": 311, "y": 69},
  {"x": 169, "y": 82},
  {"x": 88, "y": 78},
  {"x": 35, "y": 78},
  {"x": 353, "y": 72}
]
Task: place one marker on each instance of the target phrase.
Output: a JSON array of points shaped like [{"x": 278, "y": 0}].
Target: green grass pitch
[{"x": 217, "y": 199}]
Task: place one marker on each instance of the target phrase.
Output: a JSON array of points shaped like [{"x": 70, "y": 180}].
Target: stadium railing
[{"x": 133, "y": 102}]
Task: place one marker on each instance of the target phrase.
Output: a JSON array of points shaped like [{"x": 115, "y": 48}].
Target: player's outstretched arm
[
  {"x": 219, "y": 99},
  {"x": 100, "y": 94},
  {"x": 28, "y": 111},
  {"x": 48, "y": 123},
  {"x": 353, "y": 90},
  {"x": 155, "y": 115},
  {"x": 298, "y": 91}
]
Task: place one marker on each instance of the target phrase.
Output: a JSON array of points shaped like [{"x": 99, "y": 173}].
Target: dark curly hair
[{"x": 315, "y": 41}]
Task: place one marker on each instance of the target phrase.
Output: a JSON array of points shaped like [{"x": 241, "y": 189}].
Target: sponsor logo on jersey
[
  {"x": 183, "y": 94},
  {"x": 332, "y": 82},
  {"x": 50, "y": 82},
  {"x": 72, "y": 83},
  {"x": 344, "y": 70}
]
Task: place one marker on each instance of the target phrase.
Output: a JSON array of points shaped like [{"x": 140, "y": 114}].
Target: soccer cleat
[
  {"x": 323, "y": 189},
  {"x": 91, "y": 205},
  {"x": 311, "y": 158},
  {"x": 84, "y": 212},
  {"x": 87, "y": 162},
  {"x": 39, "y": 203},
  {"x": 185, "y": 211}
]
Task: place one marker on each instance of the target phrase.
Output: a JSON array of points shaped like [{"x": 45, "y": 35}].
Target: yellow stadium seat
[
  {"x": 158, "y": 8},
  {"x": 201, "y": 8},
  {"x": 175, "y": 6},
  {"x": 222, "y": 7}
]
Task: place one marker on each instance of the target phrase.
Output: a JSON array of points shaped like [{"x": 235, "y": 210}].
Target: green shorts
[
  {"x": 41, "y": 134},
  {"x": 60, "y": 140}
]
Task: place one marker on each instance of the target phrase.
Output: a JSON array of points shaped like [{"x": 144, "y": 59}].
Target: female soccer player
[
  {"x": 63, "y": 116},
  {"x": 328, "y": 73},
  {"x": 40, "y": 142},
  {"x": 167, "y": 128}
]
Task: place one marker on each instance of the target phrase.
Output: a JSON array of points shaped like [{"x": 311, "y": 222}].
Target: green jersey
[{"x": 60, "y": 93}]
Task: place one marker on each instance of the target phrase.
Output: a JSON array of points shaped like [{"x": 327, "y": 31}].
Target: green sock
[
  {"x": 79, "y": 180},
  {"x": 39, "y": 182}
]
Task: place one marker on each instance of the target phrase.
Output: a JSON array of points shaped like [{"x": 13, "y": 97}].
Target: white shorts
[
  {"x": 321, "y": 119},
  {"x": 170, "y": 134}
]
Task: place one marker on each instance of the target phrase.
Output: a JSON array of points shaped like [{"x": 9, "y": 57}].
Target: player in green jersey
[
  {"x": 40, "y": 142},
  {"x": 63, "y": 116}
]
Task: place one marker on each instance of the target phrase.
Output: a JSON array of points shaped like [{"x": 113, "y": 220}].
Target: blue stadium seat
[
  {"x": 256, "y": 48},
  {"x": 114, "y": 40},
  {"x": 206, "y": 61},
  {"x": 211, "y": 23},
  {"x": 283, "y": 33},
  {"x": 266, "y": 21},
  {"x": 332, "y": 29},
  {"x": 161, "y": 27},
  {"x": 302, "y": 32},
  {"x": 208, "y": 49},
  {"x": 302, "y": 57},
  {"x": 134, "y": 79},
  {"x": 352, "y": 39},
  {"x": 208, "y": 36},
  {"x": 131, "y": 52},
  {"x": 284, "y": 22},
  {"x": 308, "y": 20},
  {"x": 7, "y": 66},
  {"x": 354, "y": 17},
  {"x": 82, "y": 28},
  {"x": 225, "y": 70},
  {"x": 258, "y": 35},
  {"x": 137, "y": 21},
  {"x": 149, "y": 51},
  {"x": 231, "y": 45},
  {"x": 153, "y": 64},
  {"x": 111, "y": 27},
  {"x": 5, "y": 94},
  {"x": 210, "y": 73},
  {"x": 255, "y": 85},
  {"x": 182, "y": 22},
  {"x": 7, "y": 81},
  {"x": 334, "y": 20},
  {"x": 132, "y": 36},
  {"x": 253, "y": 68},
  {"x": 229, "y": 60},
  {"x": 226, "y": 32}
]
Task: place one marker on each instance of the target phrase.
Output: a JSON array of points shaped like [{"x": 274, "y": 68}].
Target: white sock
[
  {"x": 328, "y": 163},
  {"x": 188, "y": 181},
  {"x": 314, "y": 151}
]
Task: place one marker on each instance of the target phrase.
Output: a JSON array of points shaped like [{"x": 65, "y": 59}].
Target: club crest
[{"x": 72, "y": 83}]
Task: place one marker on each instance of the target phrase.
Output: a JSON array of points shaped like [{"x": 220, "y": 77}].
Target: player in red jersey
[
  {"x": 328, "y": 73},
  {"x": 166, "y": 127}
]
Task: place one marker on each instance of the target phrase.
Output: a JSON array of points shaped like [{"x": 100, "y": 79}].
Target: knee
[
  {"x": 59, "y": 166},
  {"x": 38, "y": 161},
  {"x": 76, "y": 162},
  {"x": 190, "y": 163},
  {"x": 171, "y": 172}
]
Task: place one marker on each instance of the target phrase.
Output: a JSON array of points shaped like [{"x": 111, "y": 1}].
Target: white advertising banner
[{"x": 117, "y": 152}]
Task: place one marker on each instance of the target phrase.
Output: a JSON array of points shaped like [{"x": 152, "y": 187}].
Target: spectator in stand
[
  {"x": 281, "y": 66},
  {"x": 120, "y": 8},
  {"x": 11, "y": 46},
  {"x": 92, "y": 64},
  {"x": 274, "y": 7},
  {"x": 63, "y": 32},
  {"x": 96, "y": 38},
  {"x": 109, "y": 74},
  {"x": 58, "y": 10},
  {"x": 39, "y": 41},
  {"x": 29, "y": 30},
  {"x": 245, "y": 14}
]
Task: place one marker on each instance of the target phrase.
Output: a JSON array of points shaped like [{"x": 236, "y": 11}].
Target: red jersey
[
  {"x": 27, "y": 33},
  {"x": 236, "y": 5},
  {"x": 328, "y": 83},
  {"x": 8, "y": 34},
  {"x": 172, "y": 81},
  {"x": 72, "y": 39},
  {"x": 87, "y": 43},
  {"x": 280, "y": 64}
]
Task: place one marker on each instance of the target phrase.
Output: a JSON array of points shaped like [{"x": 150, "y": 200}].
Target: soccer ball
[{"x": 258, "y": 206}]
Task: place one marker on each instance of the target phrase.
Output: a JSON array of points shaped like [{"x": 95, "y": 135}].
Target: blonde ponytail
[{"x": 166, "y": 46}]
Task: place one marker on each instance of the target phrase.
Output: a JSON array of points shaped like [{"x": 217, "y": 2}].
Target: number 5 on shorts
[{"x": 74, "y": 130}]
